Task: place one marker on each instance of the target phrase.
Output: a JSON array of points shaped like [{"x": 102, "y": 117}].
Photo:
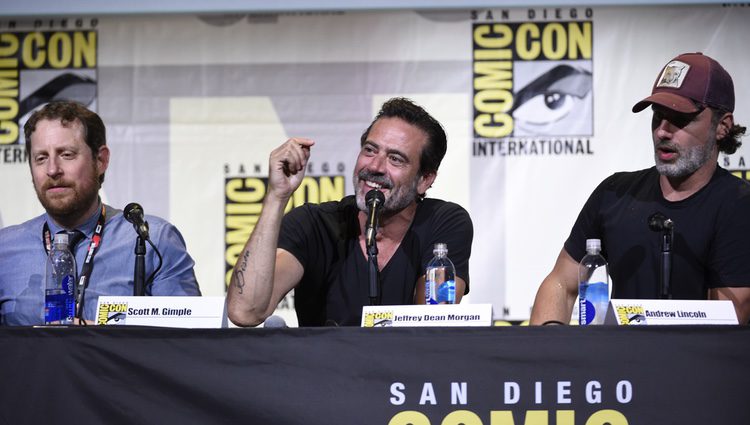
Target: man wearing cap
[{"x": 693, "y": 104}]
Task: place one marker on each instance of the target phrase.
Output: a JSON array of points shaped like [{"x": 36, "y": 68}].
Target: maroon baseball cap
[{"x": 691, "y": 78}]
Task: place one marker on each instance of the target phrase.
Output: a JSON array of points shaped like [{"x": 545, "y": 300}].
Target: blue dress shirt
[{"x": 23, "y": 263}]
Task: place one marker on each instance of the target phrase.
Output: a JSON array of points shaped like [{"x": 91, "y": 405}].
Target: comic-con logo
[
  {"x": 112, "y": 314},
  {"x": 378, "y": 319},
  {"x": 631, "y": 314},
  {"x": 532, "y": 79},
  {"x": 41, "y": 66}
]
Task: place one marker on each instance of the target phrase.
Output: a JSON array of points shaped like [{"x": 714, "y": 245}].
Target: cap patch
[{"x": 673, "y": 75}]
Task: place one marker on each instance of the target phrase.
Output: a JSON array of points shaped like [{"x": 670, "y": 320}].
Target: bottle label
[
  {"x": 592, "y": 305},
  {"x": 54, "y": 306},
  {"x": 68, "y": 284},
  {"x": 441, "y": 293},
  {"x": 59, "y": 304}
]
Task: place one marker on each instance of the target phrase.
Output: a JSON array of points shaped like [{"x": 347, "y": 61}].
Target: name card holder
[
  {"x": 427, "y": 315},
  {"x": 670, "y": 312},
  {"x": 173, "y": 312}
]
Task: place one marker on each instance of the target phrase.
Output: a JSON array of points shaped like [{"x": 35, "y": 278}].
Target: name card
[
  {"x": 670, "y": 312},
  {"x": 173, "y": 312},
  {"x": 427, "y": 315}
]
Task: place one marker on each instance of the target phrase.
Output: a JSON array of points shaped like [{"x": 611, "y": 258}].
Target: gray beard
[
  {"x": 396, "y": 202},
  {"x": 689, "y": 161}
]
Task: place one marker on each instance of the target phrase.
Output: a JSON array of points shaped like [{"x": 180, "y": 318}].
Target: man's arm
[
  {"x": 557, "y": 293},
  {"x": 177, "y": 276},
  {"x": 263, "y": 273},
  {"x": 740, "y": 297}
]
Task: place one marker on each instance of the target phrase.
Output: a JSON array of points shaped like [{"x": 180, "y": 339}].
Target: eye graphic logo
[{"x": 557, "y": 102}]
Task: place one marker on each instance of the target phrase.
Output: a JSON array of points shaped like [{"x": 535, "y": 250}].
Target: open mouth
[
  {"x": 666, "y": 153},
  {"x": 372, "y": 184}
]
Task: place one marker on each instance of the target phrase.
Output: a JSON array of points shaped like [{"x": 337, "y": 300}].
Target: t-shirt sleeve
[
  {"x": 730, "y": 251},
  {"x": 176, "y": 277},
  {"x": 295, "y": 233},
  {"x": 588, "y": 224}
]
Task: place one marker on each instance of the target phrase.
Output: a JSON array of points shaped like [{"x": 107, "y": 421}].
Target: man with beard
[
  {"x": 319, "y": 250},
  {"x": 693, "y": 104},
  {"x": 68, "y": 155}
]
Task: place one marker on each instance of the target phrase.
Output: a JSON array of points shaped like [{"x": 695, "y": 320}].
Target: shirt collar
[{"x": 87, "y": 227}]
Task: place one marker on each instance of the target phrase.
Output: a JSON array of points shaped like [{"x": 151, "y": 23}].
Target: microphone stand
[
  {"x": 139, "y": 273},
  {"x": 666, "y": 263},
  {"x": 373, "y": 272}
]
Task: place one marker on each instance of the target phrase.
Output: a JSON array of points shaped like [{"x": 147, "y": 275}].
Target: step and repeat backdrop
[{"x": 536, "y": 103}]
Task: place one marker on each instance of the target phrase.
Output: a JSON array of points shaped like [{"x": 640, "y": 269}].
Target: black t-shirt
[
  {"x": 711, "y": 245},
  {"x": 335, "y": 285}
]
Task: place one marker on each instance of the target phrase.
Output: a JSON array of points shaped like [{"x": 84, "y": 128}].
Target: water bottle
[
  {"x": 440, "y": 277},
  {"x": 593, "y": 287},
  {"x": 60, "y": 285}
]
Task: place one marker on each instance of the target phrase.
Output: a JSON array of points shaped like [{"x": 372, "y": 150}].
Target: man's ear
[
  {"x": 102, "y": 159},
  {"x": 425, "y": 181},
  {"x": 725, "y": 124}
]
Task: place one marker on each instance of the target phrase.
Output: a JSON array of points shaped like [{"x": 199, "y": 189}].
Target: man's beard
[
  {"x": 689, "y": 160},
  {"x": 399, "y": 199},
  {"x": 69, "y": 208}
]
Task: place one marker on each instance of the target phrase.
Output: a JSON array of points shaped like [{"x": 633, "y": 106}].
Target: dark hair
[
  {"x": 68, "y": 112},
  {"x": 729, "y": 143},
  {"x": 405, "y": 109}
]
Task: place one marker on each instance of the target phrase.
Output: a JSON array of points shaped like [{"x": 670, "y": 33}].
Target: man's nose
[
  {"x": 53, "y": 167},
  {"x": 377, "y": 164},
  {"x": 664, "y": 130}
]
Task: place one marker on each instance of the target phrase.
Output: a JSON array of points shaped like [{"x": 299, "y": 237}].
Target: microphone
[
  {"x": 134, "y": 213},
  {"x": 275, "y": 322},
  {"x": 658, "y": 222},
  {"x": 374, "y": 200}
]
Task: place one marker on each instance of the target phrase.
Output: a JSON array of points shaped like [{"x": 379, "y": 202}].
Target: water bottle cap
[
  {"x": 593, "y": 245},
  {"x": 61, "y": 238},
  {"x": 440, "y": 248}
]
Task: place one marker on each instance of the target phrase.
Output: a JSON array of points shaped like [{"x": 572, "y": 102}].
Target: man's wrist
[{"x": 273, "y": 200}]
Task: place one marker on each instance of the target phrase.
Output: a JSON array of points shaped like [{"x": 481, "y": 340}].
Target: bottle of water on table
[
  {"x": 60, "y": 285},
  {"x": 593, "y": 287},
  {"x": 440, "y": 277}
]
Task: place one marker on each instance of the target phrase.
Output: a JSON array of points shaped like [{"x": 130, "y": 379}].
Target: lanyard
[{"x": 88, "y": 263}]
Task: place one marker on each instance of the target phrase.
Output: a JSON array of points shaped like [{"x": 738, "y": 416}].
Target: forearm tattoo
[{"x": 240, "y": 273}]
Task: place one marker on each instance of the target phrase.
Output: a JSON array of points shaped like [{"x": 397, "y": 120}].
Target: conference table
[{"x": 562, "y": 375}]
